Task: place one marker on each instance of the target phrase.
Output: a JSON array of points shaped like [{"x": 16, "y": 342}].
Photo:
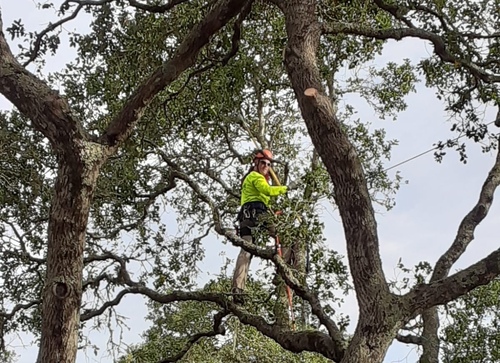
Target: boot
[{"x": 238, "y": 295}]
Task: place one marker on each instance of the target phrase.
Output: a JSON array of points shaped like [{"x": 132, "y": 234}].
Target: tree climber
[{"x": 254, "y": 213}]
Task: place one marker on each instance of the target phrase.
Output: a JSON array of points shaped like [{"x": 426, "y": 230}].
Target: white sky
[{"x": 420, "y": 227}]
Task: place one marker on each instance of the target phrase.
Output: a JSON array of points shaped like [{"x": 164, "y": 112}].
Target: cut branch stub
[{"x": 311, "y": 92}]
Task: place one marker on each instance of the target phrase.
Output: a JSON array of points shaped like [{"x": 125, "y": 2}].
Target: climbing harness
[{"x": 267, "y": 154}]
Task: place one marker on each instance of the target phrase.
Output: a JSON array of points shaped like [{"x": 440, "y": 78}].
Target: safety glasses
[{"x": 265, "y": 163}]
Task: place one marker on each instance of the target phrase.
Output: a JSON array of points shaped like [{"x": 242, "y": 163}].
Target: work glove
[{"x": 294, "y": 184}]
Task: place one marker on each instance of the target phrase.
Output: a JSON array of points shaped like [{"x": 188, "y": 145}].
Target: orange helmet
[{"x": 263, "y": 154}]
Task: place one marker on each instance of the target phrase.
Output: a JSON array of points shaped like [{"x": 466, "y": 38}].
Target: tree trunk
[
  {"x": 62, "y": 293},
  {"x": 430, "y": 341},
  {"x": 299, "y": 254},
  {"x": 370, "y": 342},
  {"x": 380, "y": 316}
]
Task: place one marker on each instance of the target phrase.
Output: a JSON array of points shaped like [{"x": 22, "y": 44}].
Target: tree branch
[
  {"x": 185, "y": 56},
  {"x": 409, "y": 339},
  {"x": 400, "y": 33},
  {"x": 287, "y": 273},
  {"x": 440, "y": 292},
  {"x": 24, "y": 251},
  {"x": 217, "y": 329},
  {"x": 235, "y": 43},
  {"x": 313, "y": 341},
  {"x": 96, "y": 280},
  {"x": 465, "y": 233},
  {"x": 33, "y": 54},
  {"x": 339, "y": 157},
  {"x": 134, "y": 3},
  {"x": 395, "y": 10},
  {"x": 18, "y": 307},
  {"x": 293, "y": 341},
  {"x": 49, "y": 113}
]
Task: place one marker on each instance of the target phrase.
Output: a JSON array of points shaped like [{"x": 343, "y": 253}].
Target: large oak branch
[
  {"x": 465, "y": 235},
  {"x": 185, "y": 56},
  {"x": 47, "y": 110},
  {"x": 313, "y": 341},
  {"x": 443, "y": 291}
]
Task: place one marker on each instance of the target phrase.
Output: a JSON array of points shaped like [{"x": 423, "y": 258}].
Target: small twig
[{"x": 36, "y": 47}]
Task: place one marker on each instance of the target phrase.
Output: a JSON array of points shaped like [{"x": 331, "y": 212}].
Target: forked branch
[
  {"x": 476, "y": 275},
  {"x": 218, "y": 329}
]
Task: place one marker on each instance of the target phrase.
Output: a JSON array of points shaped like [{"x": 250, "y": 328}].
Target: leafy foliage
[
  {"x": 472, "y": 330},
  {"x": 174, "y": 324},
  {"x": 192, "y": 145}
]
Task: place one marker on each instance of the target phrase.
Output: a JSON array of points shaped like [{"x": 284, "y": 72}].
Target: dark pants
[{"x": 253, "y": 218}]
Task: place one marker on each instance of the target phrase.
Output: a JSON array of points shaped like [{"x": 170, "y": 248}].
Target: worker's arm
[{"x": 263, "y": 186}]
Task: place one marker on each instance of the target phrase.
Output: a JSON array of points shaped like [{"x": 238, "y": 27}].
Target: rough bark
[
  {"x": 440, "y": 292},
  {"x": 66, "y": 241},
  {"x": 430, "y": 338},
  {"x": 377, "y": 323},
  {"x": 336, "y": 151},
  {"x": 79, "y": 161}
]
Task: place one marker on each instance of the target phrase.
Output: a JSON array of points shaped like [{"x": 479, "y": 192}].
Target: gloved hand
[{"x": 294, "y": 184}]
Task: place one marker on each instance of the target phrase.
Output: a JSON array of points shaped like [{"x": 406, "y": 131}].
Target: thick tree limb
[
  {"x": 312, "y": 341},
  {"x": 293, "y": 341},
  {"x": 235, "y": 44},
  {"x": 338, "y": 155},
  {"x": 122, "y": 124},
  {"x": 49, "y": 113},
  {"x": 379, "y": 320},
  {"x": 287, "y": 273},
  {"x": 465, "y": 233},
  {"x": 443, "y": 291}
]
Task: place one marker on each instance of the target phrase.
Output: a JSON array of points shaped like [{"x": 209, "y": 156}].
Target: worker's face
[{"x": 264, "y": 166}]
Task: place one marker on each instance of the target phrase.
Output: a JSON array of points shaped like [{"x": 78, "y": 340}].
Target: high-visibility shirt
[{"x": 255, "y": 188}]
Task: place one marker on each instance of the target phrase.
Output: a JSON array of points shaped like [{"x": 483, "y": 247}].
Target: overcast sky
[{"x": 420, "y": 227}]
